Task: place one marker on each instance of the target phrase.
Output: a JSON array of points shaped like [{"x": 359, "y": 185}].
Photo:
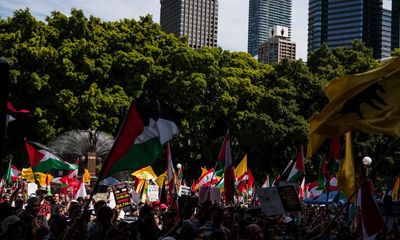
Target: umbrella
[
  {"x": 323, "y": 198},
  {"x": 109, "y": 181}
]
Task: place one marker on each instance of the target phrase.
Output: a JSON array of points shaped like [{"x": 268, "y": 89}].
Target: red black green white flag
[
  {"x": 42, "y": 159},
  {"x": 298, "y": 169},
  {"x": 146, "y": 128}
]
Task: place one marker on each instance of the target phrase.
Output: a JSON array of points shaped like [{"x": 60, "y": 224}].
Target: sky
[{"x": 232, "y": 16}]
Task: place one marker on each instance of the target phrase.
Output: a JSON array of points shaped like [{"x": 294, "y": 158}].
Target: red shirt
[{"x": 45, "y": 208}]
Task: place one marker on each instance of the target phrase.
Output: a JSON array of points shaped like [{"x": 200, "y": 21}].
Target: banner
[{"x": 121, "y": 196}]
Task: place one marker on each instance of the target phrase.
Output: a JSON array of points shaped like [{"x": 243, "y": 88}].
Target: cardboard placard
[
  {"x": 135, "y": 197},
  {"x": 152, "y": 193},
  {"x": 289, "y": 198},
  {"x": 32, "y": 187},
  {"x": 121, "y": 196},
  {"x": 213, "y": 195},
  {"x": 270, "y": 201},
  {"x": 101, "y": 196},
  {"x": 184, "y": 190}
]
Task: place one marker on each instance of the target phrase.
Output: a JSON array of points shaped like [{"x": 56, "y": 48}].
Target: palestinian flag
[
  {"x": 13, "y": 114},
  {"x": 298, "y": 169},
  {"x": 146, "y": 128},
  {"x": 42, "y": 159}
]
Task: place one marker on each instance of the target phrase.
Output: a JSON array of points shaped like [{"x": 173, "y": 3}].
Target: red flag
[
  {"x": 13, "y": 114},
  {"x": 229, "y": 173},
  {"x": 371, "y": 217},
  {"x": 334, "y": 155},
  {"x": 250, "y": 181}
]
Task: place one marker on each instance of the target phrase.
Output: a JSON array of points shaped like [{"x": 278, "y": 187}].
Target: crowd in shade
[{"x": 56, "y": 216}]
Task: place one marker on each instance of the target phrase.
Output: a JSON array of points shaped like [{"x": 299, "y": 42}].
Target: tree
[{"x": 78, "y": 72}]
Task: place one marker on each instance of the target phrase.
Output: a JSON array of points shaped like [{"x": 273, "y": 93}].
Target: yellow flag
[
  {"x": 145, "y": 173},
  {"x": 241, "y": 169},
  {"x": 86, "y": 176},
  {"x": 27, "y": 174},
  {"x": 369, "y": 102},
  {"x": 41, "y": 178},
  {"x": 162, "y": 179},
  {"x": 346, "y": 177},
  {"x": 395, "y": 190}
]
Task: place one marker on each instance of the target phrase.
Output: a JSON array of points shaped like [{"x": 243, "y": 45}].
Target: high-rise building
[
  {"x": 196, "y": 19},
  {"x": 395, "y": 26},
  {"x": 263, "y": 15},
  {"x": 317, "y": 23},
  {"x": 386, "y": 29},
  {"x": 339, "y": 22},
  {"x": 277, "y": 46}
]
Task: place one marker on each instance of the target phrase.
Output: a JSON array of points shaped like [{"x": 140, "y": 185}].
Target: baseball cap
[{"x": 163, "y": 206}]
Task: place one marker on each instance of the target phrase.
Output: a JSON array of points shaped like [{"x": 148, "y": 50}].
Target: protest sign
[
  {"x": 135, "y": 197},
  {"x": 152, "y": 193},
  {"x": 270, "y": 201},
  {"x": 184, "y": 190},
  {"x": 101, "y": 196},
  {"x": 32, "y": 187},
  {"x": 121, "y": 196},
  {"x": 215, "y": 195},
  {"x": 289, "y": 198},
  {"x": 212, "y": 195}
]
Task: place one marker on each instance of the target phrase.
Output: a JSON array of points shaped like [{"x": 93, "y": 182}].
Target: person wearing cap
[
  {"x": 11, "y": 228},
  {"x": 163, "y": 208}
]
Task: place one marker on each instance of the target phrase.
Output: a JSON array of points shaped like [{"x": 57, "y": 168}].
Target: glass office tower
[
  {"x": 339, "y": 22},
  {"x": 263, "y": 15}
]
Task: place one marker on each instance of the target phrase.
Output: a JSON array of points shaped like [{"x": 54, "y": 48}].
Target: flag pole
[{"x": 106, "y": 160}]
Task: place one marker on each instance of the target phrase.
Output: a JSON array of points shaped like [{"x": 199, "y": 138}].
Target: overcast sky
[{"x": 233, "y": 16}]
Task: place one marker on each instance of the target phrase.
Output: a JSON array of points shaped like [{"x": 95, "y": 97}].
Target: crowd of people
[{"x": 56, "y": 216}]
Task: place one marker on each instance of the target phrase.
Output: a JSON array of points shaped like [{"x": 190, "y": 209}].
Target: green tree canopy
[{"x": 76, "y": 72}]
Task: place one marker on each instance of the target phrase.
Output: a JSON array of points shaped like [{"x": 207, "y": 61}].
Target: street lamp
[{"x": 367, "y": 163}]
